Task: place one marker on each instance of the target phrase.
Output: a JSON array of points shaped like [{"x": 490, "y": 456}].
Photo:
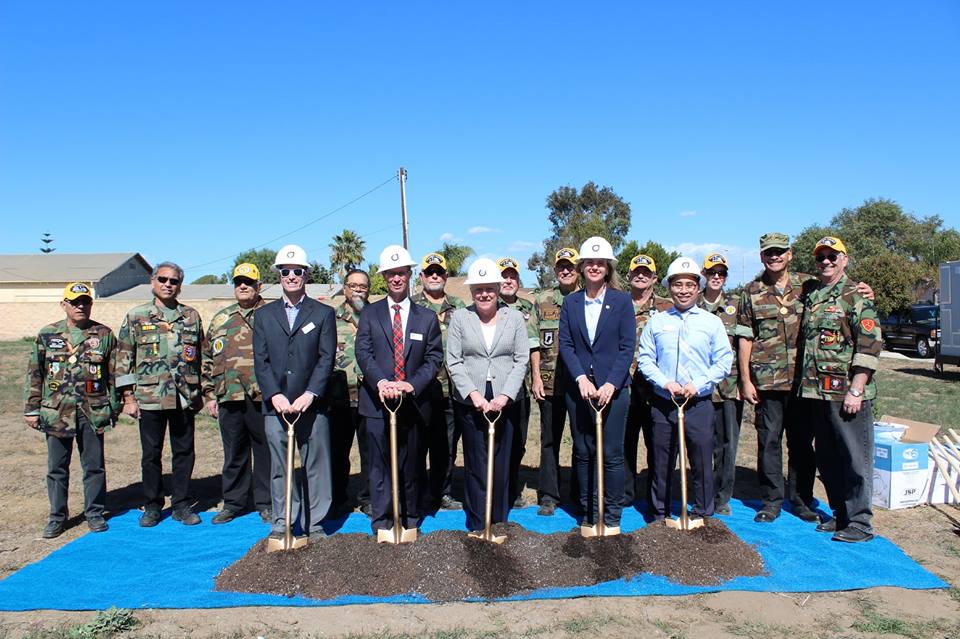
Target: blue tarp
[{"x": 173, "y": 566}]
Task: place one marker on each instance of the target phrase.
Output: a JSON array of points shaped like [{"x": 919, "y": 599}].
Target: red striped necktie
[{"x": 398, "y": 372}]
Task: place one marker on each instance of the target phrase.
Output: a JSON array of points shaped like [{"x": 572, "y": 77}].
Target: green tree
[
  {"x": 661, "y": 256},
  {"x": 576, "y": 215},
  {"x": 320, "y": 274},
  {"x": 346, "y": 252},
  {"x": 378, "y": 285},
  {"x": 210, "y": 279},
  {"x": 456, "y": 255},
  {"x": 263, "y": 258}
]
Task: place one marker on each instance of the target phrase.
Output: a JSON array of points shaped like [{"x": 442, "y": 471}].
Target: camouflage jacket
[
  {"x": 840, "y": 332},
  {"x": 525, "y": 307},
  {"x": 71, "y": 369},
  {"x": 546, "y": 309},
  {"x": 727, "y": 309},
  {"x": 641, "y": 390},
  {"x": 227, "y": 369},
  {"x": 343, "y": 384},
  {"x": 444, "y": 313},
  {"x": 159, "y": 356},
  {"x": 771, "y": 319}
]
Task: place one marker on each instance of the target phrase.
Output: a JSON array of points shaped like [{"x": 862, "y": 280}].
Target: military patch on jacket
[
  {"x": 93, "y": 342},
  {"x": 546, "y": 337},
  {"x": 730, "y": 310},
  {"x": 833, "y": 384},
  {"x": 828, "y": 338},
  {"x": 56, "y": 343},
  {"x": 94, "y": 386},
  {"x": 54, "y": 368},
  {"x": 148, "y": 327},
  {"x": 54, "y": 386},
  {"x": 868, "y": 325},
  {"x": 217, "y": 345},
  {"x": 189, "y": 352},
  {"x": 550, "y": 314}
]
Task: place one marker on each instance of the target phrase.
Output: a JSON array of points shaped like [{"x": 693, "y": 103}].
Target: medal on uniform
[
  {"x": 783, "y": 310},
  {"x": 72, "y": 359}
]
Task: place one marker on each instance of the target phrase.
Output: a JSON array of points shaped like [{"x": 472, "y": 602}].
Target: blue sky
[{"x": 191, "y": 131}]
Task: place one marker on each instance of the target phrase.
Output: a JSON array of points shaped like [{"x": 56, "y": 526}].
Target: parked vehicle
[{"x": 915, "y": 328}]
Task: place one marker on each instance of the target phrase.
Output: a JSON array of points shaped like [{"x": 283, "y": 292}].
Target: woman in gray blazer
[{"x": 487, "y": 354}]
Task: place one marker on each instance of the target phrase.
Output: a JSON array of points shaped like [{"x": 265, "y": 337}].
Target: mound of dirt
[{"x": 446, "y": 565}]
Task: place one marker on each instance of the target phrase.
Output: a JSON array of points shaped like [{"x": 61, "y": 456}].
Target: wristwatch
[{"x": 856, "y": 393}]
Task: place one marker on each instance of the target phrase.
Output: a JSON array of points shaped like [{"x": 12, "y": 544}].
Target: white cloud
[
  {"x": 521, "y": 246},
  {"x": 448, "y": 237},
  {"x": 474, "y": 230},
  {"x": 687, "y": 213},
  {"x": 744, "y": 263}
]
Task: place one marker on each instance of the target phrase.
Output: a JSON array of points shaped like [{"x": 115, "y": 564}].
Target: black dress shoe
[
  {"x": 150, "y": 518},
  {"x": 224, "y": 516},
  {"x": 852, "y": 535},
  {"x": 53, "y": 529},
  {"x": 547, "y": 508},
  {"x": 186, "y": 517},
  {"x": 97, "y": 524},
  {"x": 805, "y": 513},
  {"x": 766, "y": 515},
  {"x": 722, "y": 510},
  {"x": 828, "y": 526},
  {"x": 449, "y": 503},
  {"x": 366, "y": 509}
]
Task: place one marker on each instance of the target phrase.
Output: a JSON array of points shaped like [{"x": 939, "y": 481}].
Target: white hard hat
[
  {"x": 684, "y": 266},
  {"x": 394, "y": 256},
  {"x": 596, "y": 248},
  {"x": 291, "y": 254},
  {"x": 483, "y": 271}
]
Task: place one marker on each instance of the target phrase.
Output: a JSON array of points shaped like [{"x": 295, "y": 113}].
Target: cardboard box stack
[{"x": 904, "y": 472}]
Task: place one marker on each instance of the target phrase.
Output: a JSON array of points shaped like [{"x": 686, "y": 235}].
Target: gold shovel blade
[
  {"x": 677, "y": 524},
  {"x": 494, "y": 539},
  {"x": 597, "y": 531},
  {"x": 389, "y": 536},
  {"x": 273, "y": 545}
]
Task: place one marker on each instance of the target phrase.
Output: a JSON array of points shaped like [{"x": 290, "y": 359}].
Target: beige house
[{"x": 41, "y": 278}]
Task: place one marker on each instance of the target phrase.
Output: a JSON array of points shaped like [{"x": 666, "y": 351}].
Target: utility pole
[{"x": 403, "y": 206}]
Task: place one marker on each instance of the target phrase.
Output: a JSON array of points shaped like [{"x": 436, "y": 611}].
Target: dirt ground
[{"x": 929, "y": 534}]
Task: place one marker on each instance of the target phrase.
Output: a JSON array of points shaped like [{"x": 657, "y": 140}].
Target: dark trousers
[
  {"x": 726, "y": 436},
  {"x": 153, "y": 428},
  {"x": 698, "y": 427},
  {"x": 553, "y": 415},
  {"x": 583, "y": 426},
  {"x": 475, "y": 462},
  {"x": 439, "y": 443},
  {"x": 639, "y": 420},
  {"x": 59, "y": 453},
  {"x": 345, "y": 422},
  {"x": 241, "y": 430},
  {"x": 409, "y": 426},
  {"x": 845, "y": 460},
  {"x": 780, "y": 412},
  {"x": 518, "y": 447}
]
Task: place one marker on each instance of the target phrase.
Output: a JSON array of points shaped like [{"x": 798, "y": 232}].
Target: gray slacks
[{"x": 312, "y": 488}]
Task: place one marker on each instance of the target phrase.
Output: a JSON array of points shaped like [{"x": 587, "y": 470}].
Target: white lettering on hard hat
[
  {"x": 289, "y": 253},
  {"x": 395, "y": 257}
]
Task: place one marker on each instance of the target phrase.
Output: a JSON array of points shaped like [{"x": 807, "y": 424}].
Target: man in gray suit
[{"x": 294, "y": 343}]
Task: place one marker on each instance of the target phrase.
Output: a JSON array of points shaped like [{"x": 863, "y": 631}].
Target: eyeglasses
[
  {"x": 774, "y": 252},
  {"x": 296, "y": 272},
  {"x": 684, "y": 286},
  {"x": 713, "y": 274},
  {"x": 163, "y": 279},
  {"x": 80, "y": 301},
  {"x": 830, "y": 257},
  {"x": 565, "y": 267},
  {"x": 358, "y": 287}
]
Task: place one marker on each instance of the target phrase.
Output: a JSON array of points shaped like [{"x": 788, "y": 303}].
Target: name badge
[
  {"x": 417, "y": 337},
  {"x": 309, "y": 327}
]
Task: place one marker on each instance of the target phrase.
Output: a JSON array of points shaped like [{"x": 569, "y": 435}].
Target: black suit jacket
[
  {"x": 422, "y": 351},
  {"x": 292, "y": 361}
]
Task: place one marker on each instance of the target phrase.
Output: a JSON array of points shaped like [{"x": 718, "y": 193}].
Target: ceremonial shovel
[
  {"x": 289, "y": 542},
  {"x": 487, "y": 535},
  {"x": 684, "y": 523},
  {"x": 398, "y": 534},
  {"x": 599, "y": 529}
]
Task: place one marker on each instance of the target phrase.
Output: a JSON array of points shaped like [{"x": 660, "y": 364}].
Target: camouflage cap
[
  {"x": 566, "y": 253},
  {"x": 508, "y": 262},
  {"x": 830, "y": 242},
  {"x": 433, "y": 259},
  {"x": 714, "y": 259},
  {"x": 247, "y": 270},
  {"x": 643, "y": 260},
  {"x": 76, "y": 290},
  {"x": 774, "y": 240}
]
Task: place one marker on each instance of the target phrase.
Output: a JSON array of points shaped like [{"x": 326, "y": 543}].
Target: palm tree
[
  {"x": 456, "y": 255},
  {"x": 346, "y": 253}
]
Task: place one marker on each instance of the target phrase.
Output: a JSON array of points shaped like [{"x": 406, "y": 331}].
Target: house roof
[
  {"x": 62, "y": 267},
  {"x": 199, "y": 292}
]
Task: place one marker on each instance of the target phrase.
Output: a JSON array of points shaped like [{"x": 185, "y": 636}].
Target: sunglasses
[
  {"x": 565, "y": 267},
  {"x": 80, "y": 301},
  {"x": 716, "y": 273},
  {"x": 430, "y": 272},
  {"x": 830, "y": 257},
  {"x": 240, "y": 281},
  {"x": 163, "y": 279},
  {"x": 775, "y": 252},
  {"x": 296, "y": 272}
]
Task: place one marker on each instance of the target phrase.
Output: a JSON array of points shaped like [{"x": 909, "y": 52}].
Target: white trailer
[{"x": 948, "y": 351}]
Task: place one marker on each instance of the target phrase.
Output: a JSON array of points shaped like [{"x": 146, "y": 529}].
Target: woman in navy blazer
[{"x": 597, "y": 343}]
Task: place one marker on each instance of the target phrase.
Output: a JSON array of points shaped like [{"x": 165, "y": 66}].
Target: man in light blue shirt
[{"x": 684, "y": 353}]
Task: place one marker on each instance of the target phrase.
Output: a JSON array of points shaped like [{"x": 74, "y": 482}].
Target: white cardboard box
[{"x": 904, "y": 471}]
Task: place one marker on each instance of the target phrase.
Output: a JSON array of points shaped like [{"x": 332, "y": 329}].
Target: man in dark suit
[
  {"x": 294, "y": 343},
  {"x": 399, "y": 352}
]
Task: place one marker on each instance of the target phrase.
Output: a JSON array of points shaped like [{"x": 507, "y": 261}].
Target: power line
[{"x": 300, "y": 228}]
